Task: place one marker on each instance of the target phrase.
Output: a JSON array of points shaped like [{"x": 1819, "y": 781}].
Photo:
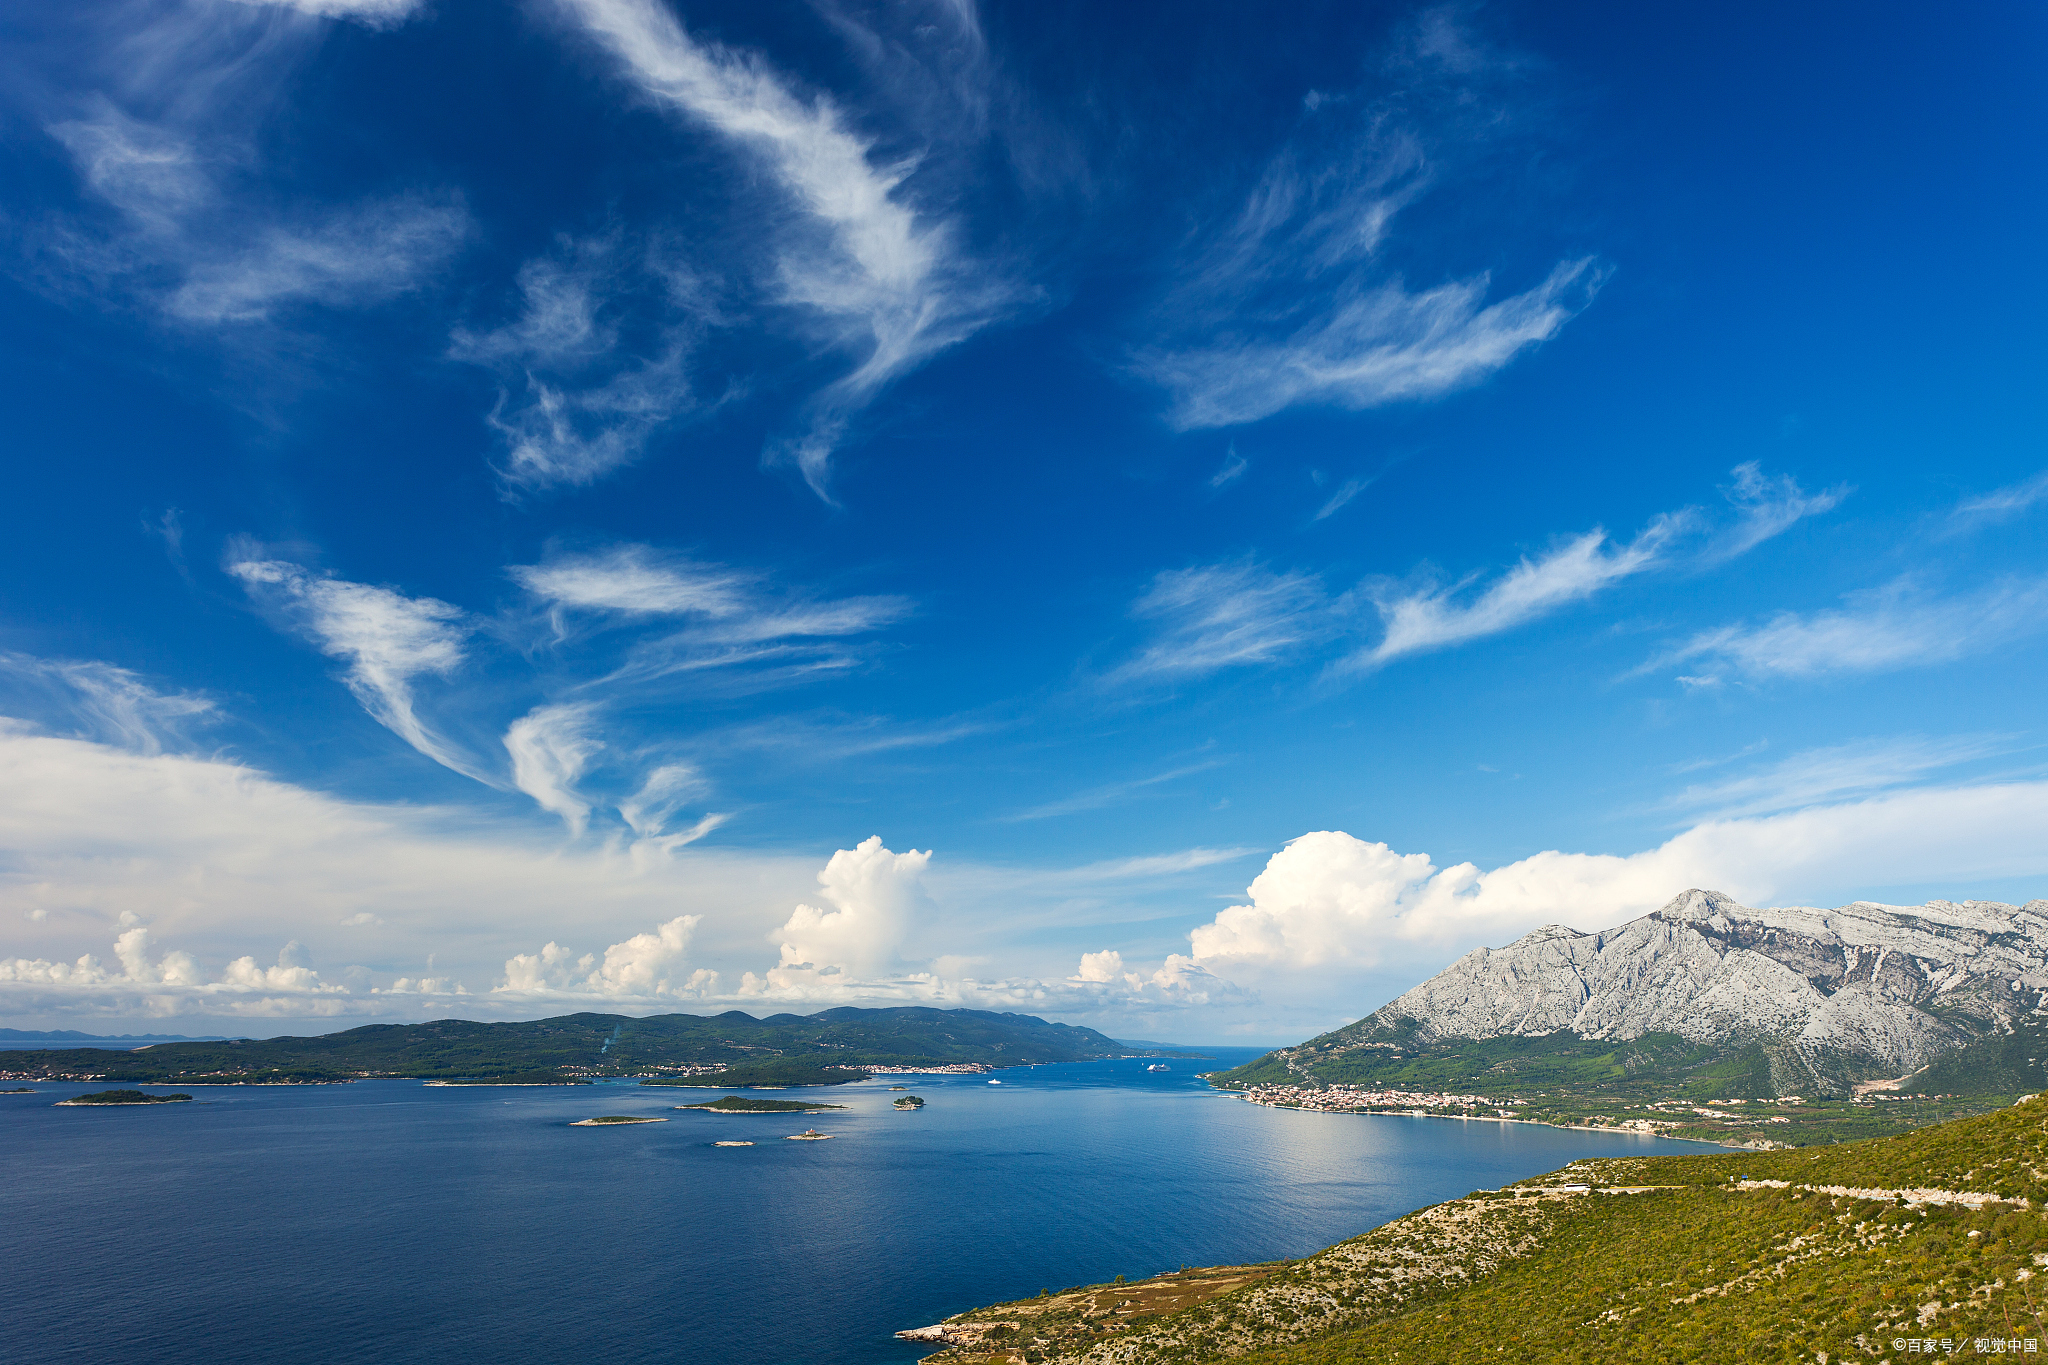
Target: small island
[
  {"x": 737, "y": 1142},
  {"x": 123, "y": 1097},
  {"x": 911, "y": 1102},
  {"x": 19, "y": 1090},
  {"x": 810, "y": 1135},
  {"x": 613, "y": 1118},
  {"x": 736, "y": 1104}
]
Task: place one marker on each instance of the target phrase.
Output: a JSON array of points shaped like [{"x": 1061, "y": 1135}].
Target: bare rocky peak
[{"x": 1896, "y": 984}]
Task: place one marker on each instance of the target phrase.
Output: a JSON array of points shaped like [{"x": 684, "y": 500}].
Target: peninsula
[
  {"x": 831, "y": 1047},
  {"x": 1864, "y": 1250}
]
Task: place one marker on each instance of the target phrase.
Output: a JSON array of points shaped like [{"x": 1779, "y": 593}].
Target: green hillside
[
  {"x": 1678, "y": 1088},
  {"x": 1827, "y": 1254},
  {"x": 775, "y": 1050},
  {"x": 2014, "y": 1063}
]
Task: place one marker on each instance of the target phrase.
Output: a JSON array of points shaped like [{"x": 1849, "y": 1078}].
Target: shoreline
[
  {"x": 612, "y": 1123},
  {"x": 1491, "y": 1118}
]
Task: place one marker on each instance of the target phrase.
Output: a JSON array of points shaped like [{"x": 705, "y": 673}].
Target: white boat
[
  {"x": 995, "y": 1082},
  {"x": 1157, "y": 1066}
]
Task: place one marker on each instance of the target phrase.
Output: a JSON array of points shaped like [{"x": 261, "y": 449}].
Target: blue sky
[{"x": 1180, "y": 518}]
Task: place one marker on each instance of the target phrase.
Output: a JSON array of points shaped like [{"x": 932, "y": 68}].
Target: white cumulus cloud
[
  {"x": 168, "y": 982},
  {"x": 1329, "y": 898},
  {"x": 649, "y": 967},
  {"x": 875, "y": 899}
]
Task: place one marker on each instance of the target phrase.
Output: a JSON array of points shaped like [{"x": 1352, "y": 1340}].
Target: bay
[{"x": 390, "y": 1221}]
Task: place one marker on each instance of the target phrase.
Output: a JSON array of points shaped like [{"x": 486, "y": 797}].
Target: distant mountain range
[
  {"x": 789, "y": 1049},
  {"x": 1817, "y": 1000}
]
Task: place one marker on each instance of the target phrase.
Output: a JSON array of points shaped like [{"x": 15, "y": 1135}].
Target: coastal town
[
  {"x": 1347, "y": 1099},
  {"x": 1756, "y": 1124}
]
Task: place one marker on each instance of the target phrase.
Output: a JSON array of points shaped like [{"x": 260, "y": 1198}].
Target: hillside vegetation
[
  {"x": 1855, "y": 1252},
  {"x": 783, "y": 1049},
  {"x": 1658, "y": 1081}
]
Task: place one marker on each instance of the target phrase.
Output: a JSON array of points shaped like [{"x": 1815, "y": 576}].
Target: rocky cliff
[{"x": 1864, "y": 989}]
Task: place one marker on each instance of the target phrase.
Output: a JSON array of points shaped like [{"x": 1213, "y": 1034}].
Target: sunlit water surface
[{"x": 388, "y": 1221}]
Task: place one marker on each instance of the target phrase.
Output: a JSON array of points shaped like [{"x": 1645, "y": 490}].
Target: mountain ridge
[{"x": 1851, "y": 993}]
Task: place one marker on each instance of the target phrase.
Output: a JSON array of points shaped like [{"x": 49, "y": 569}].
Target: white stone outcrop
[{"x": 1901, "y": 984}]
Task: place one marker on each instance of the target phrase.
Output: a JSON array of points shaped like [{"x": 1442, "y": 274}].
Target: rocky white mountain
[{"x": 1878, "y": 989}]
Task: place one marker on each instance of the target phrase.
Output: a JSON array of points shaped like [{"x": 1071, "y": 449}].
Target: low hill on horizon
[{"x": 588, "y": 1044}]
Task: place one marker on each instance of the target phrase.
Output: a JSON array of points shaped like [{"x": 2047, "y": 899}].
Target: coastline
[
  {"x": 612, "y": 1122},
  {"x": 1765, "y": 1145}
]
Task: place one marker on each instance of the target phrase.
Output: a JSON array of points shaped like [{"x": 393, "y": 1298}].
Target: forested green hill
[{"x": 779, "y": 1049}]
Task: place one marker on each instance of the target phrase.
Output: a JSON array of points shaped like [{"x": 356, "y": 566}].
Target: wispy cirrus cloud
[
  {"x": 374, "y": 13},
  {"x": 1900, "y": 625},
  {"x": 636, "y": 580},
  {"x": 2000, "y": 504},
  {"x": 1223, "y": 615},
  {"x": 889, "y": 283},
  {"x": 386, "y": 639},
  {"x": 1242, "y": 612},
  {"x": 594, "y": 364},
  {"x": 1294, "y": 302},
  {"x": 1232, "y": 469},
  {"x": 731, "y": 619},
  {"x": 1110, "y": 794},
  {"x": 1415, "y": 621},
  {"x": 1374, "y": 346},
  {"x": 107, "y": 703},
  {"x": 550, "y": 747},
  {"x": 1836, "y": 772},
  {"x": 192, "y": 235},
  {"x": 352, "y": 257},
  {"x": 1768, "y": 505}
]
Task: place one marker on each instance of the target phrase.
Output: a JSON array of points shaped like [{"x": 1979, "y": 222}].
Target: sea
[{"x": 390, "y": 1221}]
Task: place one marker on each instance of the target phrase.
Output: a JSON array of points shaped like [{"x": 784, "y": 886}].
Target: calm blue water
[{"x": 387, "y": 1221}]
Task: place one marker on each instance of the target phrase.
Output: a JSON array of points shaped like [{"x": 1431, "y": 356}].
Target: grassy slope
[
  {"x": 595, "y": 1044},
  {"x": 1693, "y": 1270}
]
